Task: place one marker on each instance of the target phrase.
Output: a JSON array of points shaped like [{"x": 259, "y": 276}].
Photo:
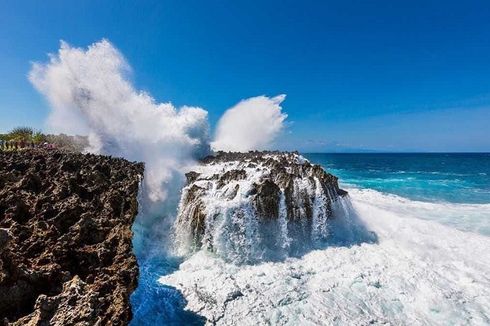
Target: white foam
[
  {"x": 419, "y": 273},
  {"x": 232, "y": 227},
  {"x": 465, "y": 217}
]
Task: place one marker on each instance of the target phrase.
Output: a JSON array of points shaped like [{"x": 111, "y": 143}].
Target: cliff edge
[{"x": 65, "y": 238}]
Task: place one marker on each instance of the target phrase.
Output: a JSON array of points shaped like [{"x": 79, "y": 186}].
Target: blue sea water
[
  {"x": 457, "y": 179},
  {"x": 433, "y": 177}
]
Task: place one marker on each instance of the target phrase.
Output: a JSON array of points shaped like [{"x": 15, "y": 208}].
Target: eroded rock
[
  {"x": 65, "y": 238},
  {"x": 238, "y": 203}
]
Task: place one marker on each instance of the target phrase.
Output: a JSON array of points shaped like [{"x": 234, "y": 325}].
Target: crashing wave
[
  {"x": 419, "y": 272},
  {"x": 256, "y": 206}
]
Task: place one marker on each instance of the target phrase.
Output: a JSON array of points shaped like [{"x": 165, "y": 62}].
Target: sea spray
[
  {"x": 418, "y": 272},
  {"x": 253, "y": 207},
  {"x": 285, "y": 239},
  {"x": 319, "y": 229},
  {"x": 252, "y": 124},
  {"x": 90, "y": 92}
]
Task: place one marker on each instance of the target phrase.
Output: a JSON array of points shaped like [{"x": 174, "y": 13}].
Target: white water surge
[
  {"x": 90, "y": 92},
  {"x": 220, "y": 211},
  {"x": 419, "y": 273}
]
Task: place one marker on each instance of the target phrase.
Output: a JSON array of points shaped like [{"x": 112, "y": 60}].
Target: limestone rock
[{"x": 65, "y": 238}]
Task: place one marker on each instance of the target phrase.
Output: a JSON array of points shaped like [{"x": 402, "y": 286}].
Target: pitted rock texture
[
  {"x": 65, "y": 238},
  {"x": 235, "y": 193}
]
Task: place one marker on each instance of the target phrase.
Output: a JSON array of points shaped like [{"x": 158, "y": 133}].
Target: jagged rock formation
[
  {"x": 249, "y": 206},
  {"x": 65, "y": 238}
]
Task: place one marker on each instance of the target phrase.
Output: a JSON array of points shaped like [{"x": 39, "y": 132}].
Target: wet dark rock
[
  {"x": 4, "y": 238},
  {"x": 267, "y": 180},
  {"x": 192, "y": 201},
  {"x": 191, "y": 176},
  {"x": 65, "y": 238},
  {"x": 232, "y": 175},
  {"x": 267, "y": 199}
]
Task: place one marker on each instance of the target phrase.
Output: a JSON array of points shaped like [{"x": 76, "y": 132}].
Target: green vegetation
[
  {"x": 28, "y": 135},
  {"x": 21, "y": 133},
  {"x": 39, "y": 137}
]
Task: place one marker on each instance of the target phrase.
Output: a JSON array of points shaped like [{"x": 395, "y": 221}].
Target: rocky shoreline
[
  {"x": 237, "y": 204},
  {"x": 65, "y": 238},
  {"x": 66, "y": 253}
]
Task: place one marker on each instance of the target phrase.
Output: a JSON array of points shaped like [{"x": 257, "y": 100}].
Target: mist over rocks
[
  {"x": 65, "y": 238},
  {"x": 253, "y": 206},
  {"x": 90, "y": 92}
]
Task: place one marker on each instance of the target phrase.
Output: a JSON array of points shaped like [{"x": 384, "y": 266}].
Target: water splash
[
  {"x": 237, "y": 210},
  {"x": 418, "y": 273}
]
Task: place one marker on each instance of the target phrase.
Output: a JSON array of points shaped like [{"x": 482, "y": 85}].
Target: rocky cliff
[
  {"x": 65, "y": 238},
  {"x": 254, "y": 206}
]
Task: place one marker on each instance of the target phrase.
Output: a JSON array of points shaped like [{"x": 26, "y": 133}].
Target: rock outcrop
[
  {"x": 240, "y": 203},
  {"x": 65, "y": 238}
]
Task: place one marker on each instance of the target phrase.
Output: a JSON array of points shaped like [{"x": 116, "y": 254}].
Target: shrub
[
  {"x": 21, "y": 133},
  {"x": 39, "y": 137}
]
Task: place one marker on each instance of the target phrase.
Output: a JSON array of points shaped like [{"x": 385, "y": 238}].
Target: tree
[
  {"x": 39, "y": 137},
  {"x": 21, "y": 133}
]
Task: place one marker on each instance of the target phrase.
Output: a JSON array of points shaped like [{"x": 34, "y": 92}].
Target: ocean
[
  {"x": 451, "y": 188},
  {"x": 430, "y": 264},
  {"x": 431, "y": 177}
]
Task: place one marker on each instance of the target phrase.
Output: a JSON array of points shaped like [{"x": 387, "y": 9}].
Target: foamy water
[
  {"x": 234, "y": 229},
  {"x": 422, "y": 271}
]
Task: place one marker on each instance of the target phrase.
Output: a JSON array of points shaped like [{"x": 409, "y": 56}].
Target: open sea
[
  {"x": 432, "y": 177},
  {"x": 430, "y": 265}
]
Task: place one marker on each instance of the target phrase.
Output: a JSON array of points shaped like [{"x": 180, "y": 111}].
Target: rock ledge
[{"x": 65, "y": 238}]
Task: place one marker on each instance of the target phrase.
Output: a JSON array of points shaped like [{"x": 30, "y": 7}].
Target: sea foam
[{"x": 419, "y": 272}]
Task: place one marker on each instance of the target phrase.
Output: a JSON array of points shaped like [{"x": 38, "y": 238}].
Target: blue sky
[{"x": 383, "y": 75}]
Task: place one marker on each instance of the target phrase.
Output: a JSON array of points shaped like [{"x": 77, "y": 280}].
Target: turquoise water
[{"x": 434, "y": 177}]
